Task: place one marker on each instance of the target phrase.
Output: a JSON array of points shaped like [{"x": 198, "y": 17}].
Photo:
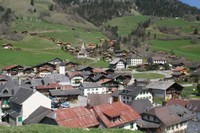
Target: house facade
[
  {"x": 25, "y": 102},
  {"x": 76, "y": 79},
  {"x": 117, "y": 63},
  {"x": 92, "y": 88},
  {"x": 133, "y": 60},
  {"x": 157, "y": 60}
]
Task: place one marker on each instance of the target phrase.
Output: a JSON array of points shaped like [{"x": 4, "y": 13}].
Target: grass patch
[
  {"x": 126, "y": 24},
  {"x": 184, "y": 25},
  {"x": 56, "y": 129},
  {"x": 182, "y": 48},
  {"x": 148, "y": 75},
  {"x": 190, "y": 92}
]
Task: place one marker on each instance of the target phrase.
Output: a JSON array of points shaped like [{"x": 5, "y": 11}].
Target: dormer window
[
  {"x": 112, "y": 115},
  {"x": 5, "y": 92}
]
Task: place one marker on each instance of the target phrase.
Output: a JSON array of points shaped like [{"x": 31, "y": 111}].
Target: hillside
[{"x": 56, "y": 129}]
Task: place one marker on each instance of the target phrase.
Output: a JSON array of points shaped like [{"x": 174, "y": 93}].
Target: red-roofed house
[
  {"x": 77, "y": 117},
  {"x": 75, "y": 78},
  {"x": 116, "y": 114},
  {"x": 12, "y": 70},
  {"x": 45, "y": 88}
]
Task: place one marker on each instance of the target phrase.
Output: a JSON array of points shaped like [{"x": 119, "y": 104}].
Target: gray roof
[
  {"x": 22, "y": 95},
  {"x": 36, "y": 82},
  {"x": 116, "y": 93},
  {"x": 133, "y": 56},
  {"x": 90, "y": 85},
  {"x": 141, "y": 105},
  {"x": 171, "y": 114},
  {"x": 52, "y": 78},
  {"x": 64, "y": 92},
  {"x": 116, "y": 60},
  {"x": 145, "y": 124},
  {"x": 160, "y": 85},
  {"x": 37, "y": 115},
  {"x": 13, "y": 114},
  {"x": 132, "y": 90},
  {"x": 98, "y": 99}
]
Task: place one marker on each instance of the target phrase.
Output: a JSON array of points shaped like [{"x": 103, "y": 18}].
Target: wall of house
[
  {"x": 142, "y": 95},
  {"x": 159, "y": 62},
  {"x": 150, "y": 118},
  {"x": 100, "y": 90},
  {"x": 134, "y": 62},
  {"x": 176, "y": 127},
  {"x": 43, "y": 74},
  {"x": 61, "y": 69},
  {"x": 120, "y": 65},
  {"x": 33, "y": 102},
  {"x": 131, "y": 126},
  {"x": 73, "y": 81}
]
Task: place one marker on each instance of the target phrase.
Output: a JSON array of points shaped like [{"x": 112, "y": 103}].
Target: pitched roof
[
  {"x": 22, "y": 95},
  {"x": 132, "y": 90},
  {"x": 98, "y": 70},
  {"x": 126, "y": 113},
  {"x": 90, "y": 85},
  {"x": 10, "y": 67},
  {"x": 98, "y": 99},
  {"x": 77, "y": 117},
  {"x": 161, "y": 85},
  {"x": 50, "y": 86},
  {"x": 194, "y": 105},
  {"x": 64, "y": 92},
  {"x": 141, "y": 105},
  {"x": 145, "y": 124},
  {"x": 73, "y": 74},
  {"x": 178, "y": 101},
  {"x": 104, "y": 81},
  {"x": 37, "y": 115},
  {"x": 171, "y": 114}
]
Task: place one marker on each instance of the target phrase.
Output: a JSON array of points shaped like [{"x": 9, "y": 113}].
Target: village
[{"x": 64, "y": 93}]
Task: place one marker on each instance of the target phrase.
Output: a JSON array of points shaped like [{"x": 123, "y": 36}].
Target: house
[
  {"x": 194, "y": 106},
  {"x": 44, "y": 69},
  {"x": 110, "y": 84},
  {"x": 84, "y": 68},
  {"x": 55, "y": 61},
  {"x": 141, "y": 82},
  {"x": 44, "y": 89},
  {"x": 76, "y": 117},
  {"x": 120, "y": 78},
  {"x": 7, "y": 46},
  {"x": 92, "y": 88},
  {"x": 134, "y": 92},
  {"x": 193, "y": 66},
  {"x": 141, "y": 105},
  {"x": 133, "y": 60},
  {"x": 117, "y": 63},
  {"x": 12, "y": 70},
  {"x": 71, "y": 65},
  {"x": 39, "y": 114},
  {"x": 98, "y": 99},
  {"x": 171, "y": 118},
  {"x": 25, "y": 102},
  {"x": 68, "y": 95},
  {"x": 82, "y": 53},
  {"x": 4, "y": 79},
  {"x": 157, "y": 60},
  {"x": 165, "y": 89},
  {"x": 116, "y": 115},
  {"x": 181, "y": 102},
  {"x": 75, "y": 77}
]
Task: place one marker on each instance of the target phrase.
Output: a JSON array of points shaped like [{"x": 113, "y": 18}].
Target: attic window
[
  {"x": 5, "y": 92},
  {"x": 112, "y": 115}
]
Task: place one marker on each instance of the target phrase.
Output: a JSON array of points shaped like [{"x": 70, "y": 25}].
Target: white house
[
  {"x": 157, "y": 60},
  {"x": 133, "y": 60},
  {"x": 25, "y": 102},
  {"x": 76, "y": 79},
  {"x": 92, "y": 88},
  {"x": 118, "y": 63},
  {"x": 133, "y": 92}
]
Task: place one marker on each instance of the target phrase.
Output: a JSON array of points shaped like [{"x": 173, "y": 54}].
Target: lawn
[
  {"x": 190, "y": 92},
  {"x": 185, "y": 26},
  {"x": 56, "y": 129},
  {"x": 126, "y": 24},
  {"x": 182, "y": 48},
  {"x": 148, "y": 75},
  {"x": 35, "y": 50}
]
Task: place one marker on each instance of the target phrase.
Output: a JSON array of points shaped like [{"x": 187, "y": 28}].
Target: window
[
  {"x": 5, "y": 92},
  {"x": 19, "y": 119},
  {"x": 131, "y": 125}
]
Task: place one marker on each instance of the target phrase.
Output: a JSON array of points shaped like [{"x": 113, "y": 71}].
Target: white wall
[
  {"x": 159, "y": 62},
  {"x": 33, "y": 102},
  {"x": 100, "y": 90},
  {"x": 128, "y": 126},
  {"x": 120, "y": 65},
  {"x": 76, "y": 78},
  {"x": 61, "y": 69},
  {"x": 134, "y": 62},
  {"x": 176, "y": 127}
]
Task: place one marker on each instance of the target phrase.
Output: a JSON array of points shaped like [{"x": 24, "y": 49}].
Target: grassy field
[
  {"x": 182, "y": 48},
  {"x": 126, "y": 24},
  {"x": 35, "y": 50},
  {"x": 56, "y": 129},
  {"x": 190, "y": 92},
  {"x": 147, "y": 75},
  {"x": 186, "y": 26}
]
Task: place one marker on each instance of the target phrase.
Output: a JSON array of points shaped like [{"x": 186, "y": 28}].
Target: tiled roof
[
  {"x": 50, "y": 86},
  {"x": 171, "y": 114},
  {"x": 10, "y": 67},
  {"x": 90, "y": 85},
  {"x": 161, "y": 85},
  {"x": 126, "y": 113},
  {"x": 98, "y": 70},
  {"x": 65, "y": 92},
  {"x": 73, "y": 74},
  {"x": 77, "y": 117},
  {"x": 141, "y": 105},
  {"x": 104, "y": 81},
  {"x": 98, "y": 99},
  {"x": 22, "y": 95},
  {"x": 181, "y": 102},
  {"x": 194, "y": 105}
]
